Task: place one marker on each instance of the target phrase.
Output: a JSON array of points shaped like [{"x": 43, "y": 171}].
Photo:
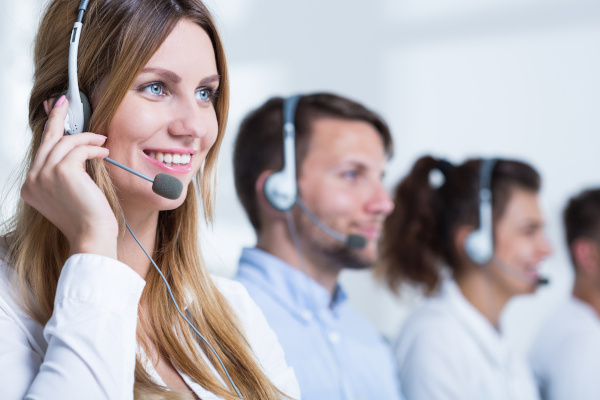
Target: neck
[
  {"x": 144, "y": 225},
  {"x": 278, "y": 242},
  {"x": 585, "y": 290},
  {"x": 479, "y": 290}
]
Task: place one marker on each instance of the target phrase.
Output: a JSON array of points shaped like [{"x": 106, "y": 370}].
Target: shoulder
[
  {"x": 427, "y": 333},
  {"x": 261, "y": 337},
  {"x": 236, "y": 294},
  {"x": 247, "y": 311},
  {"x": 568, "y": 338}
]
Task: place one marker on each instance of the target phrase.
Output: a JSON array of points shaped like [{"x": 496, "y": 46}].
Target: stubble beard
[{"x": 327, "y": 252}]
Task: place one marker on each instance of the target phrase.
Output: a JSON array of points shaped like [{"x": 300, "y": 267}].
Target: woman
[
  {"x": 445, "y": 237},
  {"x": 76, "y": 289}
]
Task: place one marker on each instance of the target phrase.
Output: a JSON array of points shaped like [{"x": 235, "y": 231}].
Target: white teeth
[{"x": 171, "y": 158}]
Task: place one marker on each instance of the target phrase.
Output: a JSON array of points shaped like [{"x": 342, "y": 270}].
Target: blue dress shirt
[{"x": 335, "y": 352}]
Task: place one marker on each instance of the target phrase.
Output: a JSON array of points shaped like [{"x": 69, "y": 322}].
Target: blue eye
[
  {"x": 350, "y": 174},
  {"x": 154, "y": 88},
  {"x": 204, "y": 95}
]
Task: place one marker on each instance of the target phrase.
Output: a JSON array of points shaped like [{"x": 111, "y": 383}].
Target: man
[
  {"x": 566, "y": 356},
  {"x": 311, "y": 222}
]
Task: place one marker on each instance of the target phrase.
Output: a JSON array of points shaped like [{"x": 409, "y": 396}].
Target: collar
[
  {"x": 288, "y": 285},
  {"x": 480, "y": 329}
]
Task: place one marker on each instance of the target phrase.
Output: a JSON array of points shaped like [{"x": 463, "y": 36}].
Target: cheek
[
  {"x": 516, "y": 250},
  {"x": 124, "y": 129},
  {"x": 335, "y": 202}
]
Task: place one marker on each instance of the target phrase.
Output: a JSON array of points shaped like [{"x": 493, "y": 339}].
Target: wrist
[{"x": 101, "y": 243}]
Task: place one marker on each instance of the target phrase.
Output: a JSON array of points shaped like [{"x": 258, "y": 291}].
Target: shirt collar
[
  {"x": 483, "y": 332},
  {"x": 288, "y": 284}
]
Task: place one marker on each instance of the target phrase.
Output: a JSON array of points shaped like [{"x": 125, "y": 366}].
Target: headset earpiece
[
  {"x": 281, "y": 188},
  {"x": 479, "y": 244},
  {"x": 86, "y": 112}
]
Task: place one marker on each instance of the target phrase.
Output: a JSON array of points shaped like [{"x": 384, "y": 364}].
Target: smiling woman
[
  {"x": 75, "y": 289},
  {"x": 479, "y": 236}
]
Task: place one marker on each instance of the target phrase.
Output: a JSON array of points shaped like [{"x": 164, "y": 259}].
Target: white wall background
[{"x": 518, "y": 78}]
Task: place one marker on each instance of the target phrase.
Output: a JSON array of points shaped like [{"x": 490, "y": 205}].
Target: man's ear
[
  {"x": 264, "y": 204},
  {"x": 586, "y": 255}
]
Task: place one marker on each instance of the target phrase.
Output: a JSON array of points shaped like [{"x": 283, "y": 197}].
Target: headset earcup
[
  {"x": 87, "y": 109},
  {"x": 479, "y": 247}
]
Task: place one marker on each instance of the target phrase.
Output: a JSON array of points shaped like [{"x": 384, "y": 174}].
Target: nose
[
  {"x": 380, "y": 202},
  {"x": 190, "y": 119}
]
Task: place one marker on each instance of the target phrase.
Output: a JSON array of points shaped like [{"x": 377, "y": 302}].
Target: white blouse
[
  {"x": 447, "y": 350},
  {"x": 87, "y": 350},
  {"x": 565, "y": 356}
]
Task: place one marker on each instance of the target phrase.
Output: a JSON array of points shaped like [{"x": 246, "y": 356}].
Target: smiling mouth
[{"x": 170, "y": 159}]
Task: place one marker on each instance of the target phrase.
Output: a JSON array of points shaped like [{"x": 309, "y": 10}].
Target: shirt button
[
  {"x": 307, "y": 315},
  {"x": 334, "y": 337}
]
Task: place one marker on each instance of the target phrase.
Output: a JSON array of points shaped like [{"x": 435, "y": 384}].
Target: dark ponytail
[
  {"x": 410, "y": 235},
  {"x": 418, "y": 237}
]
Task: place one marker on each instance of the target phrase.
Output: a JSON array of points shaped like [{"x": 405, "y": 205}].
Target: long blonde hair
[{"x": 118, "y": 39}]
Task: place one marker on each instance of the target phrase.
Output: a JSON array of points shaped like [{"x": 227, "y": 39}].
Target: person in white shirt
[
  {"x": 565, "y": 357},
  {"x": 84, "y": 314},
  {"x": 471, "y": 236}
]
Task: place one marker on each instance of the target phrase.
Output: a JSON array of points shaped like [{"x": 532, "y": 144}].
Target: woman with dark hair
[
  {"x": 472, "y": 239},
  {"x": 84, "y": 313}
]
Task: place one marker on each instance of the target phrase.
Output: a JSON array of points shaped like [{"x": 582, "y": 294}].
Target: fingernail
[
  {"x": 46, "y": 124},
  {"x": 60, "y": 100}
]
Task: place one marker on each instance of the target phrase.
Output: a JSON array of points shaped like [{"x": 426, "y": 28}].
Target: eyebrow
[
  {"x": 173, "y": 77},
  {"x": 164, "y": 73},
  {"x": 210, "y": 79}
]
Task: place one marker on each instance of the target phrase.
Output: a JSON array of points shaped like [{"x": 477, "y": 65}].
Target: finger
[
  {"x": 67, "y": 143},
  {"x": 53, "y": 131},
  {"x": 78, "y": 156}
]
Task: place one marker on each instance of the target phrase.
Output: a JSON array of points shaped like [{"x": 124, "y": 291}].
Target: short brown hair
[
  {"x": 418, "y": 236},
  {"x": 259, "y": 144},
  {"x": 581, "y": 218}
]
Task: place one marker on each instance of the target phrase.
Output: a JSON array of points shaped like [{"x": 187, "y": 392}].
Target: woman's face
[
  {"x": 166, "y": 122},
  {"x": 520, "y": 244}
]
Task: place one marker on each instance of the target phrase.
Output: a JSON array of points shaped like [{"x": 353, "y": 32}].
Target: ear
[
  {"x": 460, "y": 238},
  {"x": 266, "y": 209},
  {"x": 586, "y": 255}
]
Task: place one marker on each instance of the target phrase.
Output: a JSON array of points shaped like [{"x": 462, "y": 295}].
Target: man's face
[{"x": 340, "y": 182}]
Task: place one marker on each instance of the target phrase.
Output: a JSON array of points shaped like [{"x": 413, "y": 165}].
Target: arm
[{"x": 91, "y": 337}]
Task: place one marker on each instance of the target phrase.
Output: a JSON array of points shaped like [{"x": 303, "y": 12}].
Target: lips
[
  {"x": 370, "y": 232},
  {"x": 171, "y": 160}
]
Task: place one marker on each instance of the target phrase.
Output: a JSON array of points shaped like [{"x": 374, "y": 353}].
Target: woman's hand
[{"x": 59, "y": 187}]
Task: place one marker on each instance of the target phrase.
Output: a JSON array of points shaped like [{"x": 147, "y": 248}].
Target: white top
[
  {"x": 447, "y": 350},
  {"x": 565, "y": 357},
  {"x": 87, "y": 349}
]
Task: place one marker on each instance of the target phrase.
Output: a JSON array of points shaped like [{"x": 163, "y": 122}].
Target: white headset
[
  {"x": 479, "y": 244},
  {"x": 281, "y": 188}
]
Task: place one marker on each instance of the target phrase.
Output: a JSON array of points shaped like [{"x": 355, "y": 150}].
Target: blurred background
[{"x": 461, "y": 78}]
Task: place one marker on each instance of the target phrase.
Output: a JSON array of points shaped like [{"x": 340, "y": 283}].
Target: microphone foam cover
[
  {"x": 542, "y": 280},
  {"x": 356, "y": 241},
  {"x": 167, "y": 186}
]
